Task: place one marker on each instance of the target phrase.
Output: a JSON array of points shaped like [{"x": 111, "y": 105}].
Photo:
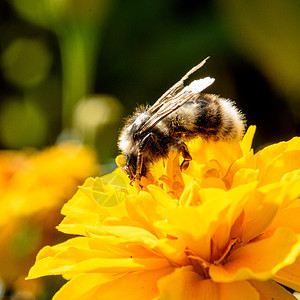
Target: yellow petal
[
  {"x": 245, "y": 162},
  {"x": 223, "y": 152},
  {"x": 173, "y": 249},
  {"x": 288, "y": 217},
  {"x": 265, "y": 156},
  {"x": 269, "y": 290},
  {"x": 185, "y": 284},
  {"x": 130, "y": 286},
  {"x": 82, "y": 208},
  {"x": 163, "y": 198},
  {"x": 240, "y": 290},
  {"x": 237, "y": 199},
  {"x": 143, "y": 209},
  {"x": 89, "y": 254},
  {"x": 193, "y": 172},
  {"x": 50, "y": 266},
  {"x": 246, "y": 143},
  {"x": 110, "y": 190},
  {"x": 133, "y": 286},
  {"x": 260, "y": 210},
  {"x": 84, "y": 202},
  {"x": 71, "y": 252},
  {"x": 196, "y": 225},
  {"x": 290, "y": 275},
  {"x": 108, "y": 265},
  {"x": 291, "y": 175},
  {"x": 282, "y": 164},
  {"x": 244, "y": 176},
  {"x": 128, "y": 233},
  {"x": 174, "y": 182},
  {"x": 212, "y": 182},
  {"x": 259, "y": 260},
  {"x": 69, "y": 226},
  {"x": 190, "y": 195},
  {"x": 290, "y": 192},
  {"x": 83, "y": 286},
  {"x": 293, "y": 144},
  {"x": 139, "y": 285}
]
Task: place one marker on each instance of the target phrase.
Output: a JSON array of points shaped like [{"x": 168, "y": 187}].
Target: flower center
[{"x": 201, "y": 266}]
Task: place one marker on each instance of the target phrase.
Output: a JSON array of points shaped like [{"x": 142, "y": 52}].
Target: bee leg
[
  {"x": 131, "y": 177},
  {"x": 140, "y": 166},
  {"x": 183, "y": 149},
  {"x": 130, "y": 170}
]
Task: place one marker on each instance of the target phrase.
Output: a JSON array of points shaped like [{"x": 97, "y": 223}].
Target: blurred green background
[{"x": 75, "y": 68}]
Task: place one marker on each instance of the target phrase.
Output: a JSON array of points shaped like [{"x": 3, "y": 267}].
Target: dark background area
[{"x": 140, "y": 49}]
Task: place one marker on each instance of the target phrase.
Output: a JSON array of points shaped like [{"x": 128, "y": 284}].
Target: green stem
[{"x": 78, "y": 53}]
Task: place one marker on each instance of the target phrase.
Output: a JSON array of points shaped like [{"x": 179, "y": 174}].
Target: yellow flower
[
  {"x": 33, "y": 187},
  {"x": 226, "y": 228}
]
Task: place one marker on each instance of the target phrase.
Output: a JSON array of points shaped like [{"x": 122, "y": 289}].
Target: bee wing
[
  {"x": 167, "y": 96},
  {"x": 172, "y": 103}
]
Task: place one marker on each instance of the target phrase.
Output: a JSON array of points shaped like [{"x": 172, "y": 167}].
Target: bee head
[{"x": 130, "y": 136}]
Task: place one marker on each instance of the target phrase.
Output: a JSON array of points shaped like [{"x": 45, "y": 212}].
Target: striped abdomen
[{"x": 210, "y": 117}]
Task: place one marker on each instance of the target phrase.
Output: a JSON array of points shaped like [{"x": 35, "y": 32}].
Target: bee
[{"x": 182, "y": 113}]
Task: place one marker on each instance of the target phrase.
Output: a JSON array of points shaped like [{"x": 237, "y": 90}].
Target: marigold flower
[
  {"x": 33, "y": 187},
  {"x": 226, "y": 228}
]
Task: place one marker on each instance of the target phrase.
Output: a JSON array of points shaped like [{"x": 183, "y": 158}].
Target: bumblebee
[{"x": 182, "y": 113}]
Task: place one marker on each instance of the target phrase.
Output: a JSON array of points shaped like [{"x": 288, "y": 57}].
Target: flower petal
[
  {"x": 110, "y": 190},
  {"x": 136, "y": 285},
  {"x": 284, "y": 163},
  {"x": 196, "y": 225},
  {"x": 290, "y": 275},
  {"x": 265, "y": 156},
  {"x": 83, "y": 208},
  {"x": 129, "y": 233},
  {"x": 162, "y": 197},
  {"x": 83, "y": 254},
  {"x": 247, "y": 139},
  {"x": 291, "y": 192},
  {"x": 83, "y": 286},
  {"x": 143, "y": 208},
  {"x": 186, "y": 284},
  {"x": 256, "y": 261},
  {"x": 173, "y": 249},
  {"x": 288, "y": 217},
  {"x": 244, "y": 176},
  {"x": 97, "y": 265},
  {"x": 260, "y": 210},
  {"x": 269, "y": 290},
  {"x": 238, "y": 290}
]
